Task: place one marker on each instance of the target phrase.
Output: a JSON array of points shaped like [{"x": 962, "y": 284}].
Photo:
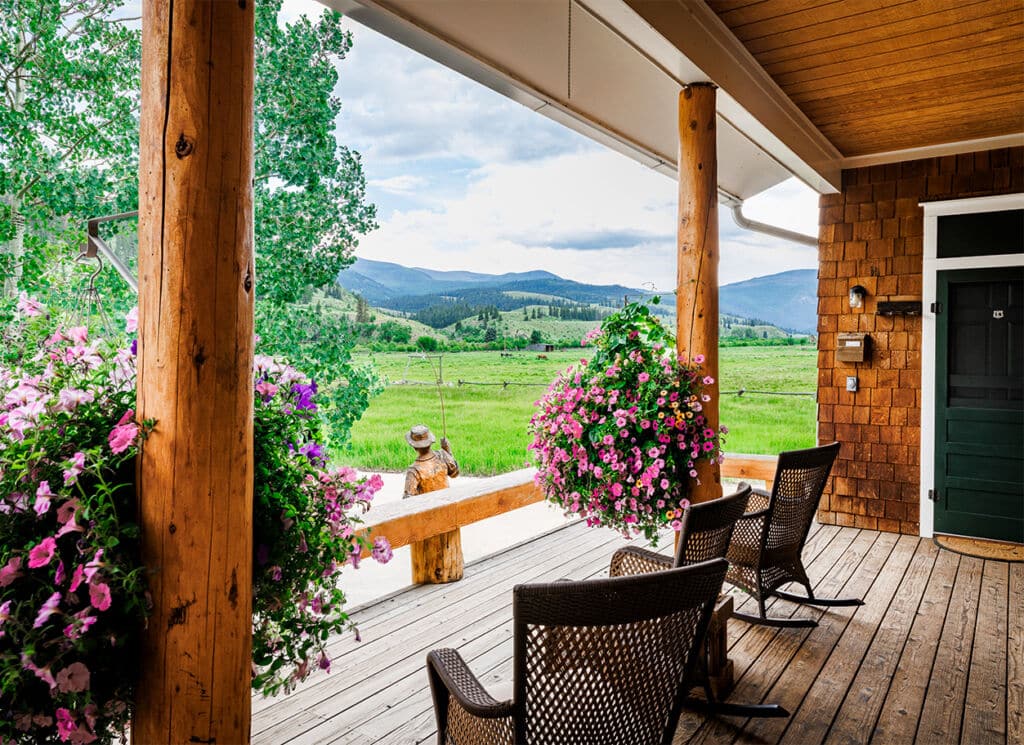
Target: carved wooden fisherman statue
[
  {"x": 437, "y": 559},
  {"x": 431, "y": 469}
]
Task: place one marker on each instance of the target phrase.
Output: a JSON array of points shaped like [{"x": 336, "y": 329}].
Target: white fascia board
[{"x": 935, "y": 151}]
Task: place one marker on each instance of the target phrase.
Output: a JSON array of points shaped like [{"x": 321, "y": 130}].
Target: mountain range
[{"x": 787, "y": 300}]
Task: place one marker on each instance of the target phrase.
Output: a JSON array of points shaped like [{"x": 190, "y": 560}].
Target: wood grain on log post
[
  {"x": 697, "y": 257},
  {"x": 438, "y": 559},
  {"x": 195, "y": 369}
]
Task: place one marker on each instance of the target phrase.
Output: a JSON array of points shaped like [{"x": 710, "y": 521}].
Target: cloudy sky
[{"x": 464, "y": 178}]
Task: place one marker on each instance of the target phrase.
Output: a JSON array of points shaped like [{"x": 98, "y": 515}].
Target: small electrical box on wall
[{"x": 853, "y": 347}]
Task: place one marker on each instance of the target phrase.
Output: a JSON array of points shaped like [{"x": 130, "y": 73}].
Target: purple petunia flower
[
  {"x": 304, "y": 395},
  {"x": 382, "y": 550},
  {"x": 312, "y": 451}
]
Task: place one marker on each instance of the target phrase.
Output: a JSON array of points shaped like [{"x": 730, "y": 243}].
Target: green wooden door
[{"x": 979, "y": 404}]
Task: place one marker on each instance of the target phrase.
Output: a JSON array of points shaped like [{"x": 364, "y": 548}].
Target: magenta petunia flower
[
  {"x": 42, "y": 554},
  {"x": 65, "y": 724}
]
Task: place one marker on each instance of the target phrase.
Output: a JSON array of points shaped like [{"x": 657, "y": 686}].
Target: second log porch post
[{"x": 697, "y": 256}]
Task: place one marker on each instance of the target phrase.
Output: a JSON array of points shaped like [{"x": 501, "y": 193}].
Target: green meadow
[{"x": 487, "y": 423}]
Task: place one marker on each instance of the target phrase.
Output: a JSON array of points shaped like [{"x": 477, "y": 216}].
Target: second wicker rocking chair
[{"x": 766, "y": 546}]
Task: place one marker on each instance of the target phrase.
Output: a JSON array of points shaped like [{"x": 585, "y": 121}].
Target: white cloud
[
  {"x": 404, "y": 185},
  {"x": 400, "y": 106},
  {"x": 594, "y": 217}
]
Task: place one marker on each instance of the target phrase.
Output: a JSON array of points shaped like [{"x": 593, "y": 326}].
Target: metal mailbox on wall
[{"x": 853, "y": 347}]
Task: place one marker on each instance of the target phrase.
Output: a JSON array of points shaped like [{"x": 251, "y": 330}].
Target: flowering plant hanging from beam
[
  {"x": 617, "y": 438},
  {"x": 73, "y": 590}
]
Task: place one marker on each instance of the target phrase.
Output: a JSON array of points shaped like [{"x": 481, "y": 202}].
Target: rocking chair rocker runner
[
  {"x": 765, "y": 550},
  {"x": 602, "y": 662}
]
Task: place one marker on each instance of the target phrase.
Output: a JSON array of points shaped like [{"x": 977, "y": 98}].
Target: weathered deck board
[{"x": 936, "y": 654}]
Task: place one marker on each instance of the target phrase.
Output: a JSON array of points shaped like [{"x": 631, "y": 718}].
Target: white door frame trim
[{"x": 932, "y": 266}]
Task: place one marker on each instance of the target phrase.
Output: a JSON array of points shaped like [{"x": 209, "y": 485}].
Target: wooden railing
[{"x": 426, "y": 516}]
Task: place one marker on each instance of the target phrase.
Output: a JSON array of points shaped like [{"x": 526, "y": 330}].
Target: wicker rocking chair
[
  {"x": 601, "y": 662},
  {"x": 765, "y": 550},
  {"x": 705, "y": 534}
]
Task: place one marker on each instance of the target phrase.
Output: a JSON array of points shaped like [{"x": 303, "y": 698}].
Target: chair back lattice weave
[
  {"x": 799, "y": 482},
  {"x": 604, "y": 662},
  {"x": 708, "y": 526}
]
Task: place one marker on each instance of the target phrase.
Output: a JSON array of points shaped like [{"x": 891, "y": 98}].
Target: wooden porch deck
[{"x": 936, "y": 655}]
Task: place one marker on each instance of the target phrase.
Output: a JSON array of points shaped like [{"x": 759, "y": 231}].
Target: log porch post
[
  {"x": 697, "y": 256},
  {"x": 195, "y": 367}
]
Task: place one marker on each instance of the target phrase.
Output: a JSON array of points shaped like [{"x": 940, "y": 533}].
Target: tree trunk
[
  {"x": 195, "y": 369},
  {"x": 697, "y": 279},
  {"x": 16, "y": 246}
]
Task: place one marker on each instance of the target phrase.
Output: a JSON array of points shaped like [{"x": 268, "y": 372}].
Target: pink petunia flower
[
  {"x": 131, "y": 320},
  {"x": 99, "y": 596},
  {"x": 43, "y": 494},
  {"x": 42, "y": 554},
  {"x": 74, "y": 469},
  {"x": 29, "y": 306},
  {"x": 698, "y": 359},
  {"x": 43, "y": 673},
  {"x": 73, "y": 679},
  {"x": 71, "y": 398},
  {"x": 47, "y": 610},
  {"x": 124, "y": 432},
  {"x": 10, "y": 571},
  {"x": 78, "y": 334},
  {"x": 77, "y": 578},
  {"x": 5, "y": 613}
]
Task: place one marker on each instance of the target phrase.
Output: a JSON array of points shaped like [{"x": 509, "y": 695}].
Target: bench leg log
[{"x": 438, "y": 560}]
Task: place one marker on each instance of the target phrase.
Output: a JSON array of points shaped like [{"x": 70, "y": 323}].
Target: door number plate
[{"x": 997, "y": 314}]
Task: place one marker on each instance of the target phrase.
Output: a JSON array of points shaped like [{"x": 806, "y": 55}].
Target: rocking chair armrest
[
  {"x": 633, "y": 560},
  {"x": 448, "y": 668}
]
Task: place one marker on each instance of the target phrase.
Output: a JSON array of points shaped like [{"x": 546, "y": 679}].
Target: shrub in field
[
  {"x": 73, "y": 599},
  {"x": 617, "y": 439}
]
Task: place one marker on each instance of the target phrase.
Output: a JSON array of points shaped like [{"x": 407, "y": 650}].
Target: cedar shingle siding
[{"x": 872, "y": 234}]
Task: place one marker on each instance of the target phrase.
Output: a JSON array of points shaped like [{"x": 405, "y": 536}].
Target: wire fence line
[{"x": 507, "y": 383}]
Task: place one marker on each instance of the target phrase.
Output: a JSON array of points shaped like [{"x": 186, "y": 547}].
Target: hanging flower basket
[
  {"x": 617, "y": 439},
  {"x": 73, "y": 597}
]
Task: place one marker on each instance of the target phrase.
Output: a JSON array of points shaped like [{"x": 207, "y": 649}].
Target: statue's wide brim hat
[{"x": 420, "y": 437}]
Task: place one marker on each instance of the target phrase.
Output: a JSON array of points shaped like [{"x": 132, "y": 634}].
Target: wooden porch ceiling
[
  {"x": 936, "y": 655},
  {"x": 883, "y": 75}
]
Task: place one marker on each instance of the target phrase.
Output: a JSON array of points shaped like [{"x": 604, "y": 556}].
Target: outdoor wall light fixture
[{"x": 857, "y": 295}]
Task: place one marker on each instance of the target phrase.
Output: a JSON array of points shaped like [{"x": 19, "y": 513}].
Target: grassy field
[{"x": 487, "y": 424}]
